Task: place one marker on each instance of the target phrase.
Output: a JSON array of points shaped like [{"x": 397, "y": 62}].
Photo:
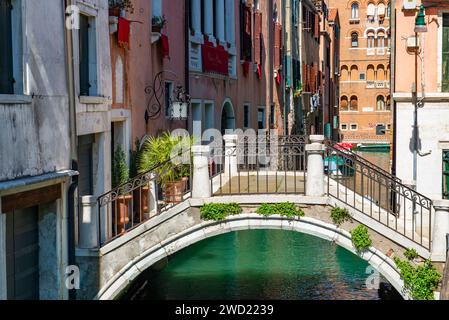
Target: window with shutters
[
  {"x": 258, "y": 37},
  {"x": 11, "y": 65},
  {"x": 277, "y": 45},
  {"x": 87, "y": 56},
  {"x": 445, "y": 54},
  {"x": 245, "y": 32}
]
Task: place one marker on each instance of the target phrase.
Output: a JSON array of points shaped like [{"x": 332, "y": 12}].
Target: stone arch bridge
[{"x": 131, "y": 228}]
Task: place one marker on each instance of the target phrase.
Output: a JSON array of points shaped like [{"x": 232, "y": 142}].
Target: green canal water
[{"x": 259, "y": 264}]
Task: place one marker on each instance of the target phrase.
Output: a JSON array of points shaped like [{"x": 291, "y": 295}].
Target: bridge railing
[
  {"x": 259, "y": 165},
  {"x": 363, "y": 160},
  {"x": 145, "y": 196},
  {"x": 381, "y": 196}
]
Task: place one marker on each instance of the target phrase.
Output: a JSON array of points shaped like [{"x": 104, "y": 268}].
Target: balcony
[
  {"x": 381, "y": 51},
  {"x": 370, "y": 84},
  {"x": 371, "y": 51},
  {"x": 380, "y": 84}
]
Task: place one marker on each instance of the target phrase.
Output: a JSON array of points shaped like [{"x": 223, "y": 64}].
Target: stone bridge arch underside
[{"x": 105, "y": 274}]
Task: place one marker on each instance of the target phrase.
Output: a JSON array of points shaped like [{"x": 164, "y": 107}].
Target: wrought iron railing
[
  {"x": 143, "y": 197},
  {"x": 363, "y": 160},
  {"x": 362, "y": 186},
  {"x": 260, "y": 165}
]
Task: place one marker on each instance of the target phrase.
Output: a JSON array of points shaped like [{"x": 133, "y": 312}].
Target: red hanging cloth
[
  {"x": 123, "y": 32},
  {"x": 259, "y": 71},
  {"x": 165, "y": 46},
  {"x": 278, "y": 77}
]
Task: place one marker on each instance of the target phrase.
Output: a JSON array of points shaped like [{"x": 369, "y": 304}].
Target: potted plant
[
  {"x": 120, "y": 175},
  {"x": 156, "y": 155},
  {"x": 157, "y": 23},
  {"x": 115, "y": 6}
]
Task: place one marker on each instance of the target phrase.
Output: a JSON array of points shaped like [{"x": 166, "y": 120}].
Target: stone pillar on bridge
[
  {"x": 440, "y": 230},
  {"x": 201, "y": 187},
  {"x": 230, "y": 167},
  {"x": 88, "y": 224},
  {"x": 315, "y": 166}
]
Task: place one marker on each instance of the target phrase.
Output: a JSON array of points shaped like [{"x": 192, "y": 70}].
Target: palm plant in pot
[
  {"x": 156, "y": 155},
  {"x": 120, "y": 175}
]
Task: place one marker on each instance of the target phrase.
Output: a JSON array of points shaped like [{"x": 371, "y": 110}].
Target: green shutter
[
  {"x": 6, "y": 66},
  {"x": 445, "y": 54},
  {"x": 445, "y": 174},
  {"x": 84, "y": 55}
]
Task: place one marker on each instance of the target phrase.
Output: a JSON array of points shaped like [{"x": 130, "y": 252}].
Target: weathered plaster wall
[{"x": 34, "y": 135}]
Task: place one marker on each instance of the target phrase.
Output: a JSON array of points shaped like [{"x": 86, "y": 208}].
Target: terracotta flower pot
[
  {"x": 175, "y": 190},
  {"x": 141, "y": 206},
  {"x": 114, "y": 12},
  {"x": 122, "y": 211}
]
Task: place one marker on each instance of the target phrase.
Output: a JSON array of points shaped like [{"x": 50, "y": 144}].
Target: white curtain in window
[
  {"x": 381, "y": 9},
  {"x": 371, "y": 10}
]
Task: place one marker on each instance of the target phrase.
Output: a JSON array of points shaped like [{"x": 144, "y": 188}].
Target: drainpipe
[
  {"x": 186, "y": 52},
  {"x": 71, "y": 196},
  {"x": 393, "y": 79}
]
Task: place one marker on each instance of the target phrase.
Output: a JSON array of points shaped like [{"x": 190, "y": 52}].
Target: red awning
[{"x": 123, "y": 32}]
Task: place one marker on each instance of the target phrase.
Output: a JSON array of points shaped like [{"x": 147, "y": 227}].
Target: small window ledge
[
  {"x": 15, "y": 99},
  {"x": 94, "y": 100}
]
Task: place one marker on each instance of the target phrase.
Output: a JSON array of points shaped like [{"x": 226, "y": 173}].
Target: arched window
[
  {"x": 354, "y": 73},
  {"x": 370, "y": 76},
  {"x": 371, "y": 40},
  {"x": 344, "y": 73},
  {"x": 371, "y": 10},
  {"x": 354, "y": 105},
  {"x": 380, "y": 105},
  {"x": 355, "y": 10},
  {"x": 388, "y": 105},
  {"x": 344, "y": 103},
  {"x": 354, "y": 39},
  {"x": 380, "y": 76},
  {"x": 380, "y": 39},
  {"x": 381, "y": 10}
]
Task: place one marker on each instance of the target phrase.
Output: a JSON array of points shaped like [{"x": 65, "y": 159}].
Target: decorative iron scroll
[{"x": 156, "y": 93}]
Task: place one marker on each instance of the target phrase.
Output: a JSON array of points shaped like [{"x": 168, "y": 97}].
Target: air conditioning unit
[{"x": 410, "y": 4}]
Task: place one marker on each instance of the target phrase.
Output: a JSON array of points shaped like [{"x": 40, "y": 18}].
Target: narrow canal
[{"x": 261, "y": 264}]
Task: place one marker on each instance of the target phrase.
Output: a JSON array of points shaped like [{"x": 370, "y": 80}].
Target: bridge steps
[{"x": 403, "y": 229}]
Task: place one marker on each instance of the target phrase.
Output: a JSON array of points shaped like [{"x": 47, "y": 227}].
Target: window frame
[
  {"x": 353, "y": 124},
  {"x": 354, "y": 39}
]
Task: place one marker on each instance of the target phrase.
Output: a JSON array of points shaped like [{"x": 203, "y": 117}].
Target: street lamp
[{"x": 420, "y": 27}]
